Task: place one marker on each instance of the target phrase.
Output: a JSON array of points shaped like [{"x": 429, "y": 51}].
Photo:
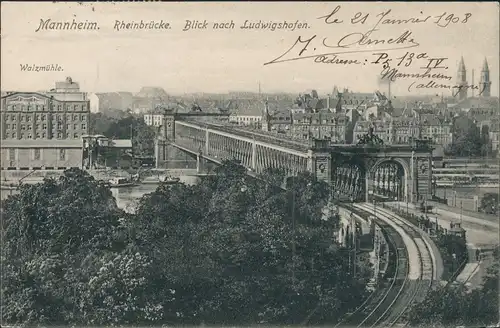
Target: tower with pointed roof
[
  {"x": 462, "y": 80},
  {"x": 485, "y": 83}
]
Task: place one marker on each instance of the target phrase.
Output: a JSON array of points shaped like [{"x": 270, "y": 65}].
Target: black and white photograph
[{"x": 249, "y": 164}]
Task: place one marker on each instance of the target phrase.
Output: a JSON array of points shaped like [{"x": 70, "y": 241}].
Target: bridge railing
[{"x": 262, "y": 137}]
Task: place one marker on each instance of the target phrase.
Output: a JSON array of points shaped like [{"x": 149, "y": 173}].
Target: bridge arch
[
  {"x": 388, "y": 179},
  {"x": 348, "y": 179}
]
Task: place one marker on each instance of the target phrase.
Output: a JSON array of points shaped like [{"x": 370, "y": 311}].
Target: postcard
[{"x": 250, "y": 163}]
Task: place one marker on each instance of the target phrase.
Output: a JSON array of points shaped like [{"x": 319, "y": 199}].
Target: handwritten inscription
[
  {"x": 455, "y": 88},
  {"x": 357, "y": 42},
  {"x": 372, "y": 41}
]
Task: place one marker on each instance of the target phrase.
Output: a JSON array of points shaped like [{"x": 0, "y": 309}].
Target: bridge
[{"x": 355, "y": 172}]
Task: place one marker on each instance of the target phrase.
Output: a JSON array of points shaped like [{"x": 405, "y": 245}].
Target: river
[{"x": 126, "y": 197}]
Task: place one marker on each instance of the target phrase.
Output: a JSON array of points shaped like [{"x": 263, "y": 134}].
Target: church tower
[
  {"x": 485, "y": 83},
  {"x": 462, "y": 80}
]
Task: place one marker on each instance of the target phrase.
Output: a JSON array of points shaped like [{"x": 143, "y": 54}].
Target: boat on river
[
  {"x": 160, "y": 180},
  {"x": 121, "y": 182}
]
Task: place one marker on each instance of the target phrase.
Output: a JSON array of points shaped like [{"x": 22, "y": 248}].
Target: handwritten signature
[{"x": 307, "y": 48}]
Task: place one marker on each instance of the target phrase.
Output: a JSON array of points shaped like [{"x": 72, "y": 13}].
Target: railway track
[
  {"x": 420, "y": 276},
  {"x": 392, "y": 284}
]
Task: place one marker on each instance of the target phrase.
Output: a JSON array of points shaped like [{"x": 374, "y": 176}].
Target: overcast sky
[{"x": 219, "y": 61}]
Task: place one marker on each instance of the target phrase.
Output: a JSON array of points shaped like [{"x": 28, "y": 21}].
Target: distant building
[
  {"x": 403, "y": 129},
  {"x": 44, "y": 129},
  {"x": 101, "y": 152},
  {"x": 17, "y": 154},
  {"x": 494, "y": 136},
  {"x": 153, "y": 119},
  {"x": 110, "y": 100},
  {"x": 485, "y": 83},
  {"x": 322, "y": 125},
  {"x": 54, "y": 115}
]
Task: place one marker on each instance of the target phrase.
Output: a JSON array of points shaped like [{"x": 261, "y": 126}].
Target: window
[
  {"x": 59, "y": 135},
  {"x": 29, "y": 127},
  {"x": 75, "y": 135},
  {"x": 28, "y": 118},
  {"x": 43, "y": 135},
  {"x": 59, "y": 107},
  {"x": 84, "y": 126},
  {"x": 75, "y": 126},
  {"x": 29, "y": 136},
  {"x": 43, "y": 117},
  {"x": 75, "y": 117},
  {"x": 44, "y": 126},
  {"x": 62, "y": 154},
  {"x": 13, "y": 135},
  {"x": 38, "y": 135},
  {"x": 75, "y": 107},
  {"x": 13, "y": 118},
  {"x": 22, "y": 118},
  {"x": 14, "y": 126},
  {"x": 69, "y": 117},
  {"x": 8, "y": 126},
  {"x": 23, "y": 127},
  {"x": 12, "y": 154},
  {"x": 36, "y": 154}
]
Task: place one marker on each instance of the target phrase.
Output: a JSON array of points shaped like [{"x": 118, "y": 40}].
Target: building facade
[
  {"x": 245, "y": 120},
  {"x": 153, "y": 119},
  {"x": 322, "y": 125},
  {"x": 17, "y": 154},
  {"x": 44, "y": 130},
  {"x": 31, "y": 115}
]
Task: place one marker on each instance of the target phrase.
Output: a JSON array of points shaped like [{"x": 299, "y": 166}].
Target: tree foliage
[
  {"x": 125, "y": 126},
  {"x": 229, "y": 250},
  {"x": 467, "y": 140},
  {"x": 456, "y": 305},
  {"x": 490, "y": 204}
]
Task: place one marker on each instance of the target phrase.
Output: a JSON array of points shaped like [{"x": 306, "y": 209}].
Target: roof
[
  {"x": 41, "y": 143},
  {"x": 478, "y": 102},
  {"x": 25, "y": 93},
  {"x": 122, "y": 143}
]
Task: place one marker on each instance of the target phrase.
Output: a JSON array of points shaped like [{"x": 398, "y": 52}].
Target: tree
[
  {"x": 136, "y": 129},
  {"x": 65, "y": 260},
  {"x": 490, "y": 203},
  {"x": 188, "y": 255},
  {"x": 467, "y": 141},
  {"x": 456, "y": 305}
]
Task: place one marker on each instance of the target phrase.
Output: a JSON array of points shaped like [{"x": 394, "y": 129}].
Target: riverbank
[{"x": 14, "y": 177}]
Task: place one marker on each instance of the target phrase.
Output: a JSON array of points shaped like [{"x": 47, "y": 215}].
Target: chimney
[{"x": 328, "y": 102}]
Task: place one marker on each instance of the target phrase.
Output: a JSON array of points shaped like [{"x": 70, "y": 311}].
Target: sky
[{"x": 208, "y": 60}]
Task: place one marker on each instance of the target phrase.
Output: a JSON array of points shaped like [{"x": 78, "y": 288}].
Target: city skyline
[{"x": 228, "y": 60}]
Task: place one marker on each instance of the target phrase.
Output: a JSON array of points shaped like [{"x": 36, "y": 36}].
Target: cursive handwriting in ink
[
  {"x": 350, "y": 43},
  {"x": 329, "y": 19},
  {"x": 455, "y": 88}
]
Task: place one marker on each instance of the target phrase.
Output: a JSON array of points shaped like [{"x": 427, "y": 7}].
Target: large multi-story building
[
  {"x": 322, "y": 125},
  {"x": 49, "y": 126},
  {"x": 403, "y": 129}
]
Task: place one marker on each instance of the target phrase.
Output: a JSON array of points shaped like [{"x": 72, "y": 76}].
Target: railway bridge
[{"x": 355, "y": 172}]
